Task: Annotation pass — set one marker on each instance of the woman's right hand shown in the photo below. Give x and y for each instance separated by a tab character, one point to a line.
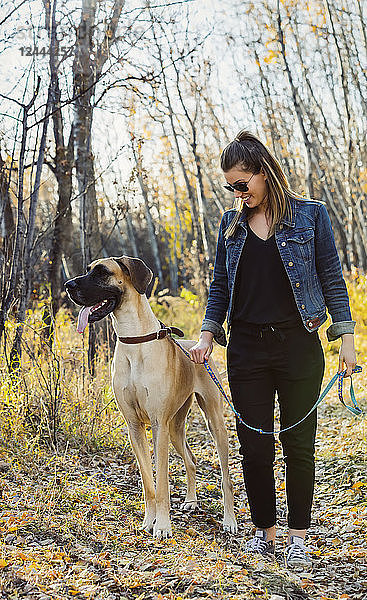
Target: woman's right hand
203	348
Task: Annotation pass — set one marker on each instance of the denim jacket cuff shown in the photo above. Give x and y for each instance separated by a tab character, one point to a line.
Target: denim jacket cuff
337	329
214	327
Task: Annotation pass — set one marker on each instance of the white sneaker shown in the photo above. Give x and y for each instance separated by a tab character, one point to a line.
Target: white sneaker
259	545
296	553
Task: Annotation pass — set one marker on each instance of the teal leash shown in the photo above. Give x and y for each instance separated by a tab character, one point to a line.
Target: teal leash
356	410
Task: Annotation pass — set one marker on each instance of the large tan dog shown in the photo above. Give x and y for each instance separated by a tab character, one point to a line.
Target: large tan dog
154	383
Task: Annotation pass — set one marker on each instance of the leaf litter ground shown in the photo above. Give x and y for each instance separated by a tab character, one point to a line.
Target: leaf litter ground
70	523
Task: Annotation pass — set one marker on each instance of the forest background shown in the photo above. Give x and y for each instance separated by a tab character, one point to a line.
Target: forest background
113	115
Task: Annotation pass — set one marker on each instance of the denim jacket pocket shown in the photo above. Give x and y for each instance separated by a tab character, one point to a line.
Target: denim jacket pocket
302	243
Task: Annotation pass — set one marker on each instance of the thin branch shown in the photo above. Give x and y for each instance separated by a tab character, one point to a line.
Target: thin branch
12	12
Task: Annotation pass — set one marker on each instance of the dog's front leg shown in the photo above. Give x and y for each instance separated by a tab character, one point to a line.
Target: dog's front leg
162	526
141	450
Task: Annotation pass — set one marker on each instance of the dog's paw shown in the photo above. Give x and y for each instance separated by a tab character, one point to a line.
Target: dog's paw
162	532
230	524
148	524
148	527
189	505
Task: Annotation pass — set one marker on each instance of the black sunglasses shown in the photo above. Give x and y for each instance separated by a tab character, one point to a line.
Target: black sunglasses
240	186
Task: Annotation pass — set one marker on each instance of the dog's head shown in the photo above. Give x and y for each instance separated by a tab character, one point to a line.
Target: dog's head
102	289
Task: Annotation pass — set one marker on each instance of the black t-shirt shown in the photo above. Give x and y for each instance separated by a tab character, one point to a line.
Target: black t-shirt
263	293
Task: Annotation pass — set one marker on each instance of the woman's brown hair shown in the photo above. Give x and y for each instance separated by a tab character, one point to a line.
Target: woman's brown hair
248	153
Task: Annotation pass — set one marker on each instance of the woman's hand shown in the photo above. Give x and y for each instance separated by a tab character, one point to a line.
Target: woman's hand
347	354
203	348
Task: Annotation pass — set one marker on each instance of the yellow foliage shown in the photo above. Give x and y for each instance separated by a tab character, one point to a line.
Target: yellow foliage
271	57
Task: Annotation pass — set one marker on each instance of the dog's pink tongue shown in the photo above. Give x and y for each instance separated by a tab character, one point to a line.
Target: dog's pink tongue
83	318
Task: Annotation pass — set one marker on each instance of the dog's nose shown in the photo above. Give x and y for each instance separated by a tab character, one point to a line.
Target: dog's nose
69	285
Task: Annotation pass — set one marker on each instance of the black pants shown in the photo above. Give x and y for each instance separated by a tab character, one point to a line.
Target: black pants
260	361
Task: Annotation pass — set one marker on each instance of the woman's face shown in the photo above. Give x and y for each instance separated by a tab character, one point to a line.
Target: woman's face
256	197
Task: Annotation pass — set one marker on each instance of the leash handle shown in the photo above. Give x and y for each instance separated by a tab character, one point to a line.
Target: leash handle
356	410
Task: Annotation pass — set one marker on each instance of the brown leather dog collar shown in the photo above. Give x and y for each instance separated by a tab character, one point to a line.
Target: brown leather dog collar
156	335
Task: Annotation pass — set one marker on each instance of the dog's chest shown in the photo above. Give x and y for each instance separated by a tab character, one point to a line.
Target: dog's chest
137	381
138	371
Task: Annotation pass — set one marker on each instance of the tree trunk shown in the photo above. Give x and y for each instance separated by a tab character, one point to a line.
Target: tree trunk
63	164
297	107
86	73
84	81
148	216
177	225
7	221
131	234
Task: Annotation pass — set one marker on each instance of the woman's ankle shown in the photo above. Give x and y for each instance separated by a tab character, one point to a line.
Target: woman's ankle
270	533
298	532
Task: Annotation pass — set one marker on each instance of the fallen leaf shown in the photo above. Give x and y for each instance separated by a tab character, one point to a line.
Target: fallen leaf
358	485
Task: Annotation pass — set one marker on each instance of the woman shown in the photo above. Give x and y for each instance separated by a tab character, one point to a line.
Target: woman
276	270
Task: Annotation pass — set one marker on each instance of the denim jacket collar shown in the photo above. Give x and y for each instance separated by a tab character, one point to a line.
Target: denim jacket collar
293	205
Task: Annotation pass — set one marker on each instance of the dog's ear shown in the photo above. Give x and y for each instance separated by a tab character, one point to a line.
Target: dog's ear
139	273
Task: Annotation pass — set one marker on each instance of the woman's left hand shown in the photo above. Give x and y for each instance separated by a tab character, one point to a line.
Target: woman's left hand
347	354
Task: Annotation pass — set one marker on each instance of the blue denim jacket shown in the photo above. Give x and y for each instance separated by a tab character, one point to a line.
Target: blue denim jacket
307	248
